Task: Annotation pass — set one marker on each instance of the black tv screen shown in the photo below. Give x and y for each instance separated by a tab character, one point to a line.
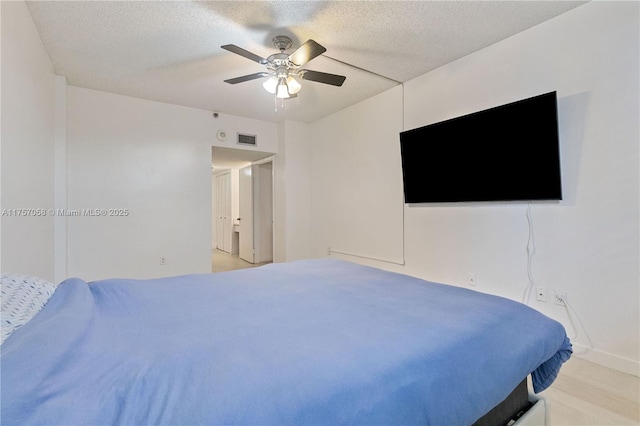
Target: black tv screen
506	153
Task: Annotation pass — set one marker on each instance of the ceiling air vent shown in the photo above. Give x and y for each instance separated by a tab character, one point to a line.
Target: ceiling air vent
246	139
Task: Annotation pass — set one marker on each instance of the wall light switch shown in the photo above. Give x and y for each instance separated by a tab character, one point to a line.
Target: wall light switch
541	294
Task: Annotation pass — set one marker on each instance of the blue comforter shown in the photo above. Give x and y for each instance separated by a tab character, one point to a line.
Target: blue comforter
320	342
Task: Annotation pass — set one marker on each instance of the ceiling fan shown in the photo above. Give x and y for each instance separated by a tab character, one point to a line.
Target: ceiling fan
283	68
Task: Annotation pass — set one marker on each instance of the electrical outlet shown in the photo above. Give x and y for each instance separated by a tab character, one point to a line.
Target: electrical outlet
471	279
561	297
541	294
163	260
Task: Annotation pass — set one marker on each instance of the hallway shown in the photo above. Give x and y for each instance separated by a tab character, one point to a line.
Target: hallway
222	261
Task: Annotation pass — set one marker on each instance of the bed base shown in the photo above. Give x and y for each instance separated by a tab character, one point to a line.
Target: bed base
537	415
518	409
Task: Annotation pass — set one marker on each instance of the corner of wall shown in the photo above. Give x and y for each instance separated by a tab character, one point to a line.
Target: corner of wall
60	178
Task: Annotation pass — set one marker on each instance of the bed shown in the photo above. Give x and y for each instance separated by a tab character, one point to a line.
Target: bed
310	342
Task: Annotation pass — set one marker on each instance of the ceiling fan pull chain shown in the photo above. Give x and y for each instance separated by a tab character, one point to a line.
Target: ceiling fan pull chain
275	103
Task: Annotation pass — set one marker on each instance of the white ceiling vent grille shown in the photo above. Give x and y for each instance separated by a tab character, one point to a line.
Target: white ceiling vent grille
246	139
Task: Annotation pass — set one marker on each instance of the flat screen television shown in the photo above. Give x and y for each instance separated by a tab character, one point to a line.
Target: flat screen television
506	153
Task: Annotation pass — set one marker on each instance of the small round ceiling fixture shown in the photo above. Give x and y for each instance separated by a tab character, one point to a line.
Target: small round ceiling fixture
222	135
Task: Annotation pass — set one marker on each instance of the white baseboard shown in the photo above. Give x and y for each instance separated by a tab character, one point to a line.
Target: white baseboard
606	359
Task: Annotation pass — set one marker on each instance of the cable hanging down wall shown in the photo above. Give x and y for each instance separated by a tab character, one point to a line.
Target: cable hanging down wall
531	251
526	295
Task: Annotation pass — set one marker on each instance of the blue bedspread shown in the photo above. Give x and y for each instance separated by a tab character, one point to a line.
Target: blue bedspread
321	342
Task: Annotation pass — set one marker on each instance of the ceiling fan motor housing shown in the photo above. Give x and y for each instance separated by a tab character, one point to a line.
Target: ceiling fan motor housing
282	42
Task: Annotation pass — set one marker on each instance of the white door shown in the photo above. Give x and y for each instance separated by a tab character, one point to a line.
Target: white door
245	189
223	212
263	211
219	213
228	220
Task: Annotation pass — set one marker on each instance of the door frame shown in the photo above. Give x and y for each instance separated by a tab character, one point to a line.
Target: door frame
246	213
266	160
270	158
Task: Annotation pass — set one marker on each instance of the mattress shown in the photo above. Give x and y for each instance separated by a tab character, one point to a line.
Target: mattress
308	342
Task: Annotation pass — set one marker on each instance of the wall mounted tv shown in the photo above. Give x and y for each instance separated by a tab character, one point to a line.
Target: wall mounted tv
506	153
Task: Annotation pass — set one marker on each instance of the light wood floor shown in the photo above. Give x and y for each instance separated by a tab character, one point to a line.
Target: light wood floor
222	261
588	394
584	394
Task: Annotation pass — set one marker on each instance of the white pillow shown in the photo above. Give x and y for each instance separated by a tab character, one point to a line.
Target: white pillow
22	297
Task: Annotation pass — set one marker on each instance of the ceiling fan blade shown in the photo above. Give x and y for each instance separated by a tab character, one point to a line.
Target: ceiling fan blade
247	78
306	52
323	77
242	52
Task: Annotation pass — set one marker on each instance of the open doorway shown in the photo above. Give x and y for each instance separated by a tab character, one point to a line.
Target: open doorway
242	195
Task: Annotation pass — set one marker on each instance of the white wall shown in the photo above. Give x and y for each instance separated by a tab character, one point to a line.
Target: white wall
292	196
154	160
586	244
27	150
357	199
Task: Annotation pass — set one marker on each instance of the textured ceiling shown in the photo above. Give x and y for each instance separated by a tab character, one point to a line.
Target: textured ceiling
169	51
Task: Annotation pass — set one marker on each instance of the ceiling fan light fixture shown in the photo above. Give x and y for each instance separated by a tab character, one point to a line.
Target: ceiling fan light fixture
282	87
282	90
293	85
271	84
